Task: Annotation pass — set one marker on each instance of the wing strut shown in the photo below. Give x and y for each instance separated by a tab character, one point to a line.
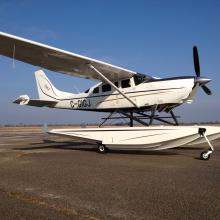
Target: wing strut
113	85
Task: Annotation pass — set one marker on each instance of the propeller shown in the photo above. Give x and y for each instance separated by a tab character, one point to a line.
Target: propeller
202	81
196	61
206	90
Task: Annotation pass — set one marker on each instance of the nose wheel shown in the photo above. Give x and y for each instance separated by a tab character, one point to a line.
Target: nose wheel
205	155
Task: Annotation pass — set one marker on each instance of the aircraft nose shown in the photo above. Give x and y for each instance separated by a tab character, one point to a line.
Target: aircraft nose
202	80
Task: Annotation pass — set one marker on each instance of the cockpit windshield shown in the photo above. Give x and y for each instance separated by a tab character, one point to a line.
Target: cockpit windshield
140	78
148	78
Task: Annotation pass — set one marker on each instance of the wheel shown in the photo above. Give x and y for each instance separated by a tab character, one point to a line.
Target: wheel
102	149
204	155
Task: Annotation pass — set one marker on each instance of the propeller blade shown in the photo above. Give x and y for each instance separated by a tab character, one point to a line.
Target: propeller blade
206	90
196	61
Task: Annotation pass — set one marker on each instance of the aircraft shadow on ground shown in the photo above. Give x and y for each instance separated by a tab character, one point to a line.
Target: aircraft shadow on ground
84	146
65	145
143	152
198	158
190	148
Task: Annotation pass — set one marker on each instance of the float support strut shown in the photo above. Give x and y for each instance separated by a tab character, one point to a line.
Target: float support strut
131	120
174	117
110	115
154	108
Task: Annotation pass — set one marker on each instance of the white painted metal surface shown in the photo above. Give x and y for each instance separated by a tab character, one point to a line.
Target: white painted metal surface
149	138
143	95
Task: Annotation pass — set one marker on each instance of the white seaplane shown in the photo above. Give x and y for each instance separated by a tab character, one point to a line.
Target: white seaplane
133	95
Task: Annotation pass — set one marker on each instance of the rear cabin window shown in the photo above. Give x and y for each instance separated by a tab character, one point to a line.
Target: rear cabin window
116	84
96	90
125	83
106	88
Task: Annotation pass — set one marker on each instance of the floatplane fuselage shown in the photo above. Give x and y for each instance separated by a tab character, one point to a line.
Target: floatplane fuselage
144	92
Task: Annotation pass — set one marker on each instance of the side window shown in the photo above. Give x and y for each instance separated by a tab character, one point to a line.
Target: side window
96	90
106	88
116	84
125	83
86	91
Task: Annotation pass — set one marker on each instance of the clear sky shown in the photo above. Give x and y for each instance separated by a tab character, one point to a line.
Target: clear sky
152	37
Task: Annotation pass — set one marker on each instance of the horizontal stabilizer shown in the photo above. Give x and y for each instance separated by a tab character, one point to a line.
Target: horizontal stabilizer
25	100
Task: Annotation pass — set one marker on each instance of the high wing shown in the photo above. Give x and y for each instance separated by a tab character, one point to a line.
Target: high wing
58	60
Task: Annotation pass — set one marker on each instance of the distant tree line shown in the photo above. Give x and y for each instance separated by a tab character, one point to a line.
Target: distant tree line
96	124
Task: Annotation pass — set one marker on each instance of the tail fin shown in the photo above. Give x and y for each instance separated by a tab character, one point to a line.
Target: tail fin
46	90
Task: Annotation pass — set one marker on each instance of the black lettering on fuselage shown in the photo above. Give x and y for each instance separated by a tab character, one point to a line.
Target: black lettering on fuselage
72	104
80	103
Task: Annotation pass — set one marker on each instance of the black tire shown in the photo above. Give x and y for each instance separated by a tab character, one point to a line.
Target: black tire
204	155
102	149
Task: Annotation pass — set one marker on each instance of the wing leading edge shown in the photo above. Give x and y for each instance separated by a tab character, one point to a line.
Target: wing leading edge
58	60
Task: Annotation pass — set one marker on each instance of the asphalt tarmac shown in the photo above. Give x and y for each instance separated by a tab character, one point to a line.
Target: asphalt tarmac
49	177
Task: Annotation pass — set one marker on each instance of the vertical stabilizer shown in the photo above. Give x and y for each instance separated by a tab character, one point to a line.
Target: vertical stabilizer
46	90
